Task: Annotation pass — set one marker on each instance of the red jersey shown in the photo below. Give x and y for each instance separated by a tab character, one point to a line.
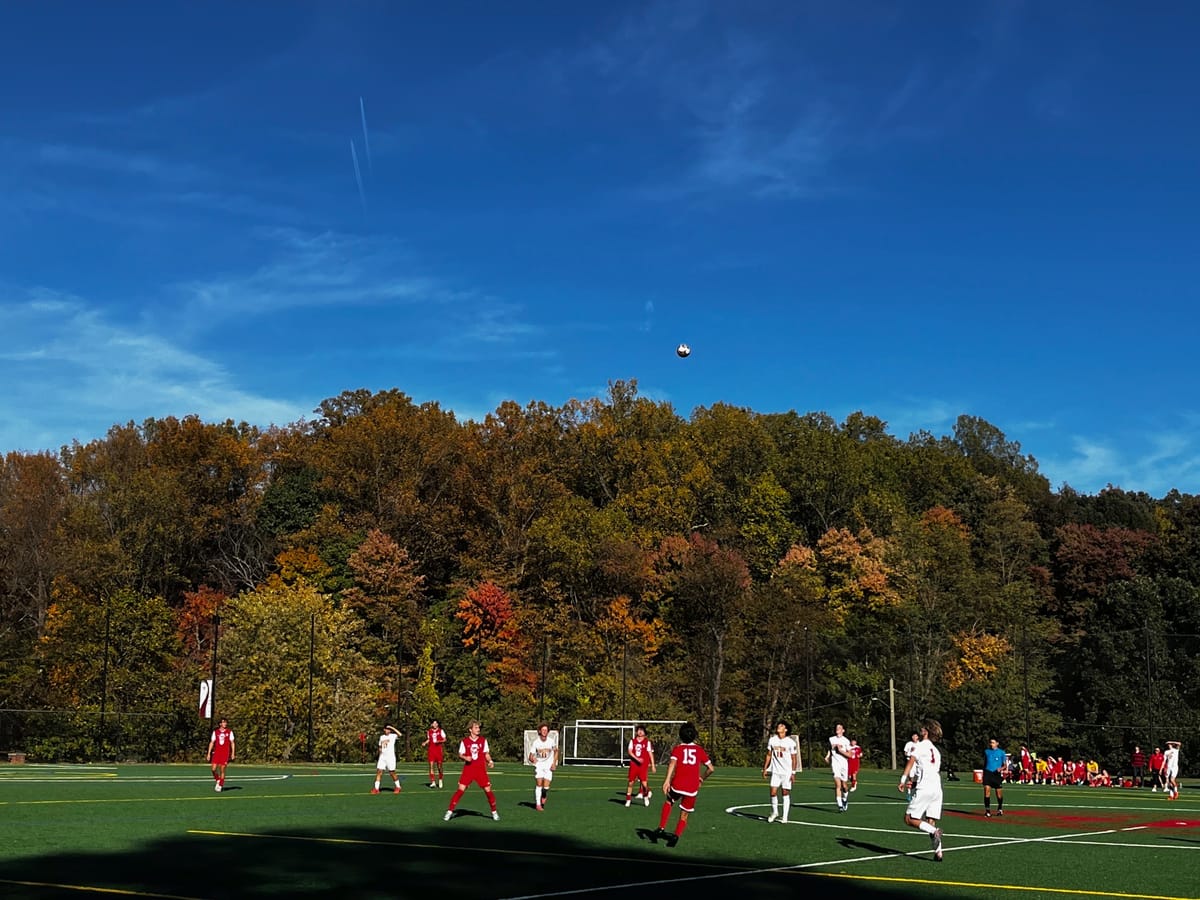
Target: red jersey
436	736
222	743
689	760
855	759
1156	761
474	748
640	751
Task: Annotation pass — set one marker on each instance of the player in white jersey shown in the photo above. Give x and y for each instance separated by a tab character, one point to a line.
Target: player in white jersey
782	764
838	758
925	804
387	759
543	753
1170	769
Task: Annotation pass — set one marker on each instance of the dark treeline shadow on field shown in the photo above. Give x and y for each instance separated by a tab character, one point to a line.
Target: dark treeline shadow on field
446	863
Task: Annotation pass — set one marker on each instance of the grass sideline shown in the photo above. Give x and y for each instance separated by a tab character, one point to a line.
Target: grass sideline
316	831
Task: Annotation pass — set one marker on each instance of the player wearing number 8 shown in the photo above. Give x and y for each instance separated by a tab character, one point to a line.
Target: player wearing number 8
688	769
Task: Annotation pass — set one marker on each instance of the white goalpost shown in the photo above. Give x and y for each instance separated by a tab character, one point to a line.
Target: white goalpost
603	742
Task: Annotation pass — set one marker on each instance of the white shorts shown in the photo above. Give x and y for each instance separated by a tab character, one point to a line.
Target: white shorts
1172	772
387	763
926	802
781	781
841	768
543	772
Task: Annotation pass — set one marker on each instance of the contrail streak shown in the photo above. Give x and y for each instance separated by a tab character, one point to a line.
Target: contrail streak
366	137
358	176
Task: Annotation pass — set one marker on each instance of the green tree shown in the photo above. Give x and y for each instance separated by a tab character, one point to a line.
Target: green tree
281	638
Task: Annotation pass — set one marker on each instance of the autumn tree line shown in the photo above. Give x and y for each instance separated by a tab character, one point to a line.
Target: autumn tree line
606	559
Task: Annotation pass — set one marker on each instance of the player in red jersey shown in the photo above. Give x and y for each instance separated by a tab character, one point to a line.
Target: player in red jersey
220	752
640	753
435	744
853	764
473	750
688	769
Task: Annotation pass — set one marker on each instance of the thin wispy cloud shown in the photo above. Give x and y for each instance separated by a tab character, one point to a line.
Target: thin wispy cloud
752	126
366	137
84	372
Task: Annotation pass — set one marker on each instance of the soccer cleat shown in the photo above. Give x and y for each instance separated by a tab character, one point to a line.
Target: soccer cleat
627	804
495	816
999	812
396	789
540	808
649	794
853	788
647	799
217	787
783	821
448	816
1154	790
937	844
772	817
672	840
431	785
987	813
439	782
373	790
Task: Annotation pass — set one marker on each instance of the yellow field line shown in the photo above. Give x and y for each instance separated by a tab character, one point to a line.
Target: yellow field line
997	887
93	889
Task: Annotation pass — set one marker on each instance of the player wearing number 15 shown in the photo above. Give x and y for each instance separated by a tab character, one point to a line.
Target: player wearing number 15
688	769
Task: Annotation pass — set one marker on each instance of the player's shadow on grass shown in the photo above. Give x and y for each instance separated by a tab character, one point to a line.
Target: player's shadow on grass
461	813
852	844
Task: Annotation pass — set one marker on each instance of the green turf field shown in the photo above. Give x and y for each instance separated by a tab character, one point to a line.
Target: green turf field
161	831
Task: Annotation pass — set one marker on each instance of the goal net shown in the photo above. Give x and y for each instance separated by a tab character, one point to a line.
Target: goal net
603	742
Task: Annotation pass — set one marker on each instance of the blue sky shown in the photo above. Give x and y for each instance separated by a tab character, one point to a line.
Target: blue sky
917	210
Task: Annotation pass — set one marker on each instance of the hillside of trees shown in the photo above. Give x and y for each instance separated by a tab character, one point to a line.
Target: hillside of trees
607	559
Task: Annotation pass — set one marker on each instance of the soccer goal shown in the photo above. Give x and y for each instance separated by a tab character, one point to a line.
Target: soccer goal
603	742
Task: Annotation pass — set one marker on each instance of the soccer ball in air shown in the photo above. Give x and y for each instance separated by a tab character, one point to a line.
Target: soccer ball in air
683	351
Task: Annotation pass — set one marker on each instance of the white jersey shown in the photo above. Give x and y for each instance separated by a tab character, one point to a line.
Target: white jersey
840	764
783	752
545	753
387	751
928	763
1171	761
926	801
909	748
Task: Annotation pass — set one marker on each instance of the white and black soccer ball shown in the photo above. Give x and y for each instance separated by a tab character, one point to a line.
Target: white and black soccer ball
683	351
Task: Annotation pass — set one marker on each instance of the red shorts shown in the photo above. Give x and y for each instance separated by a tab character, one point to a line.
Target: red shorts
220	757
437	753
475	775
639	772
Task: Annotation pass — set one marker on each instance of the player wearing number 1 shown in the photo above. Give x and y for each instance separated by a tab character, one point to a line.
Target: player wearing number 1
925	806
782	764
688	769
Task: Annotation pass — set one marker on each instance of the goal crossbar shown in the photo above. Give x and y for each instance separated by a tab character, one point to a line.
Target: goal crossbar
603	742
